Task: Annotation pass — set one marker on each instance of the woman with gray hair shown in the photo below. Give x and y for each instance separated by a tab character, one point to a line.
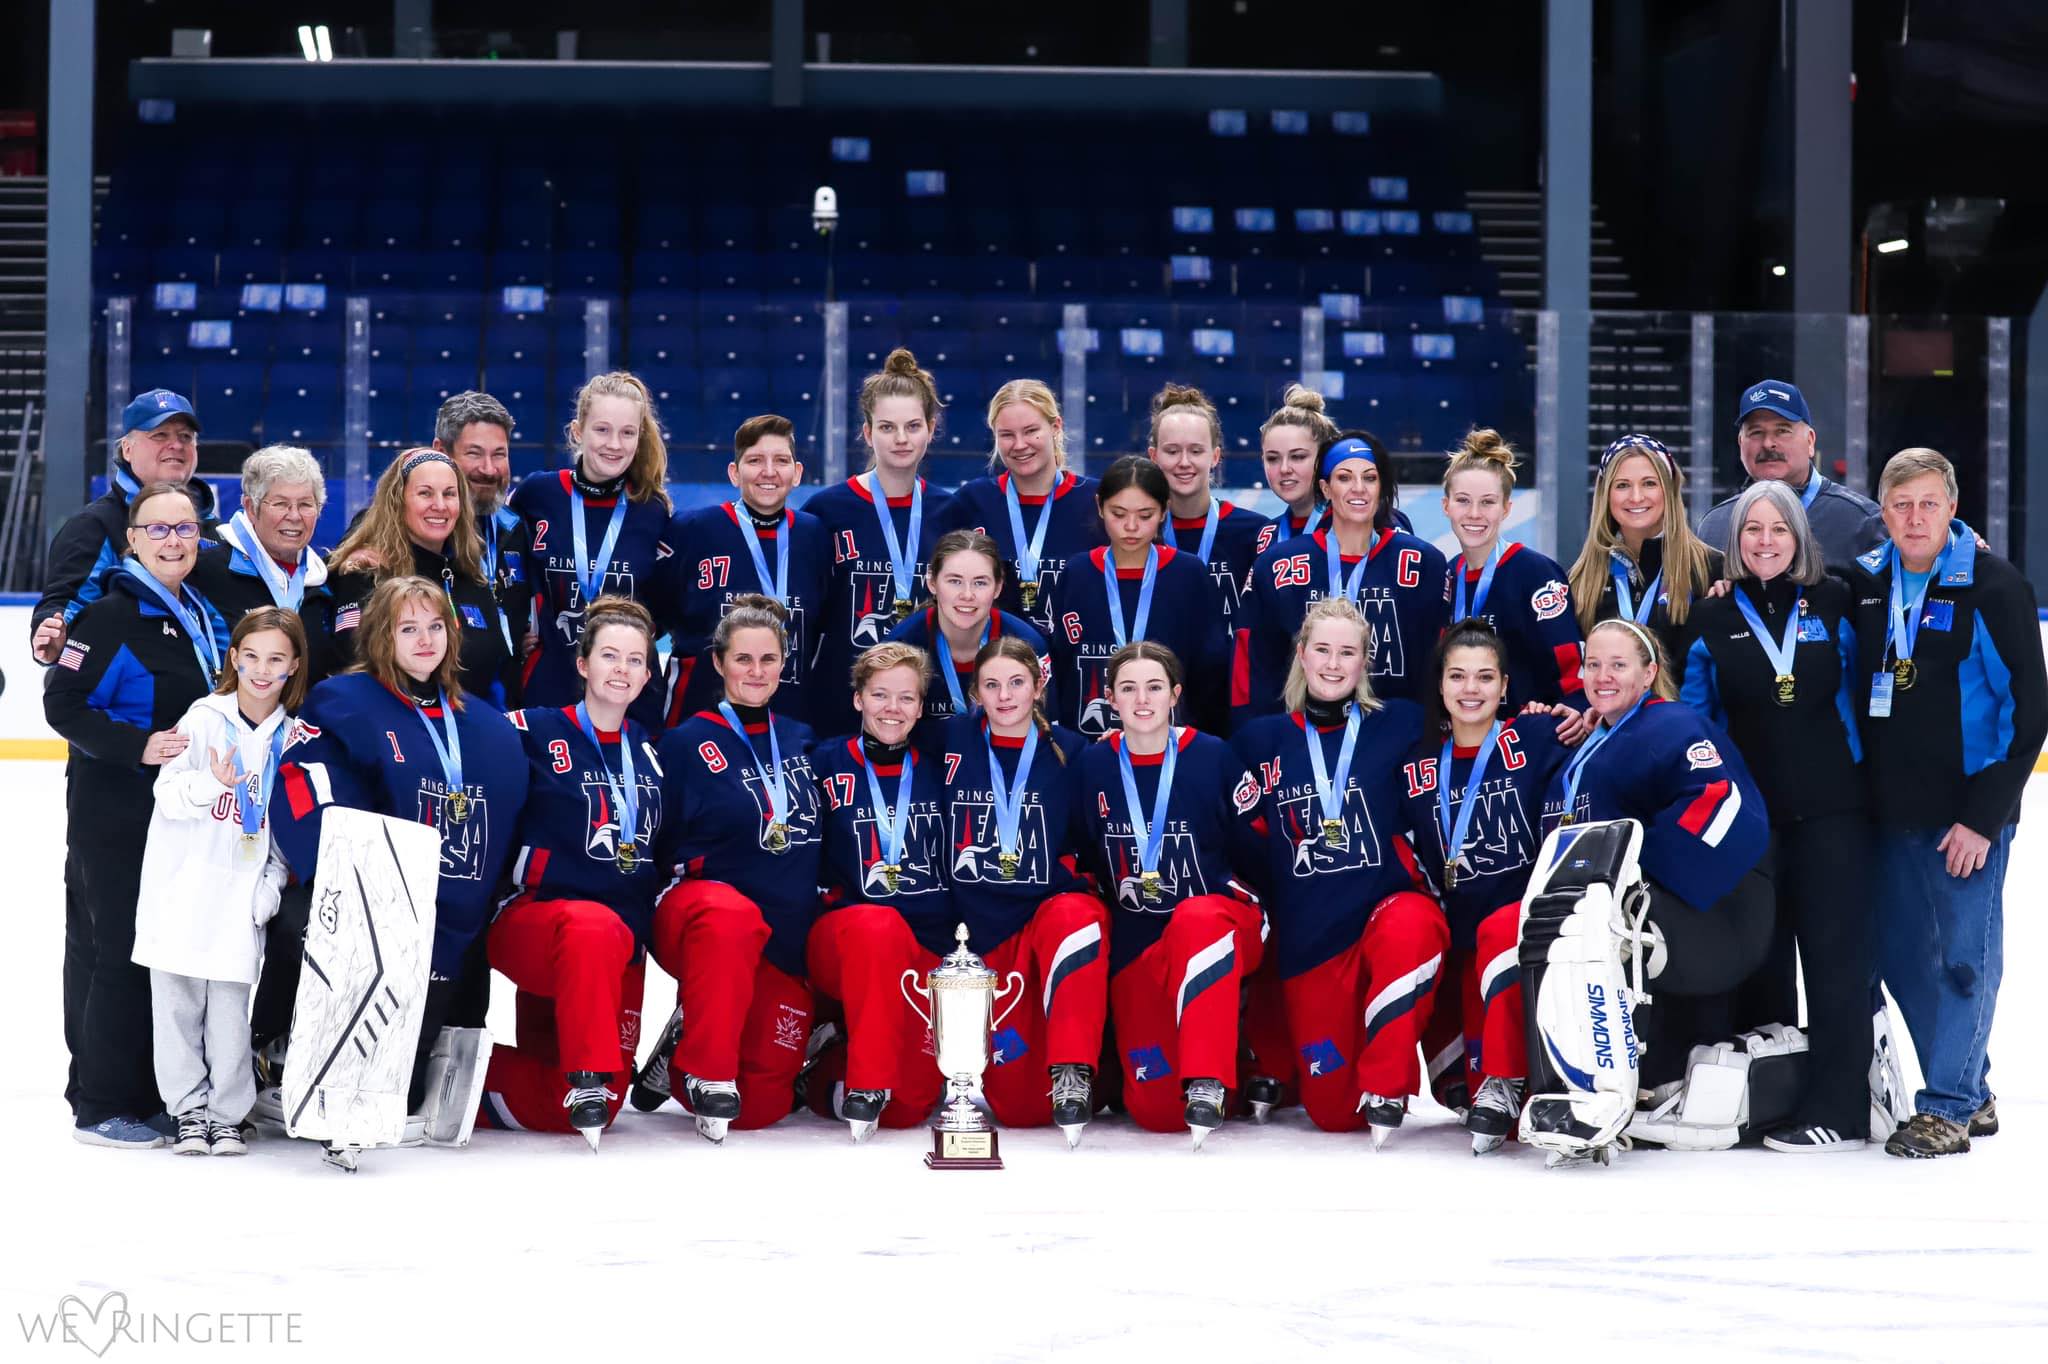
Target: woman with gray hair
265	556
1773	662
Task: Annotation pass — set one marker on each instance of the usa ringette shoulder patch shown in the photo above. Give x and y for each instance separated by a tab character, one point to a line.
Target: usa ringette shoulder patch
1703	754
1247	793
1551	600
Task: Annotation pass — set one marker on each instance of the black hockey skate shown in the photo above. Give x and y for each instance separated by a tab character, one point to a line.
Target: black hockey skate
1493	1115
651	1086
862	1109
1073	1099
587	1102
1262	1092
1205	1109
714	1103
1382	1116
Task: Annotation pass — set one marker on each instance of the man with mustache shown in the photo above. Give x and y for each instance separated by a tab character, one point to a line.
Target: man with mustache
1775	433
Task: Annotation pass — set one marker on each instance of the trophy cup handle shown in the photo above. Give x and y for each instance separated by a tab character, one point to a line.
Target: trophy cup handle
1014	988
909	985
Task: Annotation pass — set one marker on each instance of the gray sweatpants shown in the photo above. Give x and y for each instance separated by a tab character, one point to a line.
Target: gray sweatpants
202	1046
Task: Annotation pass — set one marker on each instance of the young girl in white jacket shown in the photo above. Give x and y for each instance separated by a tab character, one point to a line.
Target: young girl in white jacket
210	881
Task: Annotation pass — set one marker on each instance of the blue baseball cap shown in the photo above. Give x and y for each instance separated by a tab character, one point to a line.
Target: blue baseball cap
1773	395
148	411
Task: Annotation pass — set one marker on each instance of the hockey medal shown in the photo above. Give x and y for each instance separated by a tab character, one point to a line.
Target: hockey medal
1027	590
458	806
1905	670
1333	833
1451	875
1006	865
250	847
900	610
1149	886
892	877
629	856
1786	688
778	837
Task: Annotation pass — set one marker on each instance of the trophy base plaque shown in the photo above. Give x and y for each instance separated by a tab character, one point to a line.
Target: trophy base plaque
962	1151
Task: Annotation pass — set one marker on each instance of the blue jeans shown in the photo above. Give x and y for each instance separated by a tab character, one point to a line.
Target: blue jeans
1941	950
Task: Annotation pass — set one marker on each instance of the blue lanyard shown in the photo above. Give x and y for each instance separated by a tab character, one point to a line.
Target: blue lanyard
1149	837
902	566
751	537
1339	585
1902	627
450	754
1208	531
772	779
286	590
1455	833
1814	484
1779	651
897	831
1485	585
1143	615
590	572
490	547
192	620
625	786
1330	794
1576	767
1008	799
248	803
1623	573
951	675
1028	554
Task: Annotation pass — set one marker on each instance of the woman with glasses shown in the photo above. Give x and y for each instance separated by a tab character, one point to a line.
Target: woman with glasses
132	664
1641	561
265	556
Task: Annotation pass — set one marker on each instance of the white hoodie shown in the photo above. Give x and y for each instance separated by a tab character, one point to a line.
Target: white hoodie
203	903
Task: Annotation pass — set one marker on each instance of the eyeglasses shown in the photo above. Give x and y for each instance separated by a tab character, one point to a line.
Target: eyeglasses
163	530
277	506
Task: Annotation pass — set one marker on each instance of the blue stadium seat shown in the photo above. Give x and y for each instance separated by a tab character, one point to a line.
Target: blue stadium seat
664	269
524	391
332	223
303	403
516	339
257	222
445	343
387	403
228	394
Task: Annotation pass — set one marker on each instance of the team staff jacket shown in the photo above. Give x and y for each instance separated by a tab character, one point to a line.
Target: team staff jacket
1182	617
490	673
95	538
710	567
1075	528
127	670
1238	532
860	594
856	838
1804	755
1499	852
569	833
1529	605
1704	825
995	909
508	558
1961	741
922	629
1209	844
544	507
361	745
718	820
1675	639
1845	523
227	576
1401	597
1320	896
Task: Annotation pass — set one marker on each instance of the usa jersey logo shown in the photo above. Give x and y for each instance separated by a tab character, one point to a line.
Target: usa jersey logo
915	874
601	815
1097	716
463	842
1180	871
802	788
1359	846
871	607
976	844
563	587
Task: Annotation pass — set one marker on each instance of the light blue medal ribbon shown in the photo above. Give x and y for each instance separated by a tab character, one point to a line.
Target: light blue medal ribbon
625	788
450	754
897	831
1339	584
961	705
287	590
1902	628
1008	799
750	536
1623	573
252	789
1813	486
1149	837
1329	793
902	567
1455	832
772	778
1576	767
1479	593
1779	651
1208	531
590	572
1143	616
191	619
1028	552
489	536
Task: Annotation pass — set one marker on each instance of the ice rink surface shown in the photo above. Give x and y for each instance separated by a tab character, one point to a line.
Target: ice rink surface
1275	1243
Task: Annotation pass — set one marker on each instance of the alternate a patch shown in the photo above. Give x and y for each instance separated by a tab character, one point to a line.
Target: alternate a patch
1703	754
1812	630
1939	615
1246	794
473	617
1551	600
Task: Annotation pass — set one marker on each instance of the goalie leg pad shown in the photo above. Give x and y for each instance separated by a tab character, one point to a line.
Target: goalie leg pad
1732	1090
456	1068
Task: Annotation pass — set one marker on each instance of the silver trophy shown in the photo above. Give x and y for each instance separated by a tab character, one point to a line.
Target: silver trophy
962	994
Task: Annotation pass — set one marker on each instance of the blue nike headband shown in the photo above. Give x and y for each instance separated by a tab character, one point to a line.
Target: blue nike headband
1351	447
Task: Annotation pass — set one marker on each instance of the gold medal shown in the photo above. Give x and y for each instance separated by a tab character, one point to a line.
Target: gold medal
1786	688
900	610
1028	592
1006	863
1451	875
892	877
458	806
629	857
1904	672
778	837
1149	885
250	847
1564	821
1333	833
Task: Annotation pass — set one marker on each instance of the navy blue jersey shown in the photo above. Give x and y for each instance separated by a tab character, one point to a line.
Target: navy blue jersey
570	832
1500	847
855	839
360	745
1401	598
1318	896
1183	618
542	502
1209	839
993	908
1075	528
1704	825
1238	531
710	567
1529	606
718	822
922	629
860	596
1284	526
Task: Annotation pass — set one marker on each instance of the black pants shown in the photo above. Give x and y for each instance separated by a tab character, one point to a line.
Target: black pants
114	1054
1708	954
78	959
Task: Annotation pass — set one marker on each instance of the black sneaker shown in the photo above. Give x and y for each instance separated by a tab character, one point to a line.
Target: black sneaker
225	1139
1925	1136
651	1086
588	1103
1984	1122
1204	1112
1806	1141
191	1134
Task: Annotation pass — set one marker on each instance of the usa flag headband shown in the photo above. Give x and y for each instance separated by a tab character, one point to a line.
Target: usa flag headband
1649	445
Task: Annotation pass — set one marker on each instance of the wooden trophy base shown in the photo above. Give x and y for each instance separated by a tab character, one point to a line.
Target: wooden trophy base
954	1150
